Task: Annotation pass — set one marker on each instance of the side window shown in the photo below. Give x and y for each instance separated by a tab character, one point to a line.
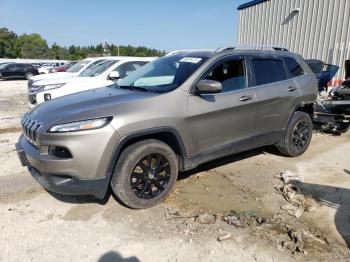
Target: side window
230	74
93	64
268	71
127	68
17	66
293	67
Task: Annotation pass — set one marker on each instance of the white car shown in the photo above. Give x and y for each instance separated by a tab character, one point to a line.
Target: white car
105	73
71	72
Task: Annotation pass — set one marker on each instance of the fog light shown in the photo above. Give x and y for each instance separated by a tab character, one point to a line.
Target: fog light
59	151
47	97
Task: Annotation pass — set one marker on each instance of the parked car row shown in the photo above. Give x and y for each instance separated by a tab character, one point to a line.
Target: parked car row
17	70
99	72
62	68
46	67
14	70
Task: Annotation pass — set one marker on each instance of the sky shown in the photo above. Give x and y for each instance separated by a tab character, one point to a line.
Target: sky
161	24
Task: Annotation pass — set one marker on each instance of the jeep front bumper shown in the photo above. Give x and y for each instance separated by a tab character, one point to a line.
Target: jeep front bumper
84	173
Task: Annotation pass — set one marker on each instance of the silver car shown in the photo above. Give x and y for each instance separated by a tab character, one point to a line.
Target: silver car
171	115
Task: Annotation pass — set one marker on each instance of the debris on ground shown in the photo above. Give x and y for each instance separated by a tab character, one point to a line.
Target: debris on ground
287	176
233	219
224	236
206	218
298	241
244	219
292	193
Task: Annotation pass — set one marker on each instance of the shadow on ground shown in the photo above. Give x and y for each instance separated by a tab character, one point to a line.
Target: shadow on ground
228	160
113	256
334	197
77	199
73	199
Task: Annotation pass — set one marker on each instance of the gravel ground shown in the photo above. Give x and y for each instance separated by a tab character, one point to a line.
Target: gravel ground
242	189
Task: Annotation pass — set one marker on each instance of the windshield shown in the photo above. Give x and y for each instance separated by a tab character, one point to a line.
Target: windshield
98	68
315	66
164	74
78	66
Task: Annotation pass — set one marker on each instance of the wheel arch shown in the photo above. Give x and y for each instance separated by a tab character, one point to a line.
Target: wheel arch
307	107
168	135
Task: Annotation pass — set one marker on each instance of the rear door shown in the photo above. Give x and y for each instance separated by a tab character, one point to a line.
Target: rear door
222	123
276	93
10	71
20	70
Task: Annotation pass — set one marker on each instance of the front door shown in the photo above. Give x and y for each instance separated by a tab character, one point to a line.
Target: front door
222	123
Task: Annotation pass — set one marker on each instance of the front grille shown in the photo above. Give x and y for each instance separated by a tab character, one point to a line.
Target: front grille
30	129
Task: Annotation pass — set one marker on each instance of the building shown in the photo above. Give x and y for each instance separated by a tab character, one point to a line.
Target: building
316	29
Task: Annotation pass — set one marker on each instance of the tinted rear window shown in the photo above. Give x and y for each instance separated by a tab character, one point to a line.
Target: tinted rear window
268	71
293	67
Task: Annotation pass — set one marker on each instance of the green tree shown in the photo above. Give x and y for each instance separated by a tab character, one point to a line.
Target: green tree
7	43
34	46
55	51
31	46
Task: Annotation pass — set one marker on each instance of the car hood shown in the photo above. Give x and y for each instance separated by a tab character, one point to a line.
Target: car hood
52	76
63	80
94	103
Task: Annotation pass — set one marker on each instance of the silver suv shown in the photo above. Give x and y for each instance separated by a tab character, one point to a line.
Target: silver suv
171	115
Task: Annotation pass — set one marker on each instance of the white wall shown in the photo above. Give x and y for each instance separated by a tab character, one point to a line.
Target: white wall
319	30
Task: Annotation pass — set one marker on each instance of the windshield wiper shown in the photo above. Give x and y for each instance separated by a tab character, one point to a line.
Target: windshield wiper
134	88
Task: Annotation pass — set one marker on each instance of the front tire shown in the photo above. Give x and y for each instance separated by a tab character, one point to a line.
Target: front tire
297	136
145	174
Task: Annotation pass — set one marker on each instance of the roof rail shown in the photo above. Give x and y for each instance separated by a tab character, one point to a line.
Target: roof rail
270	47
276	48
224	48
187	50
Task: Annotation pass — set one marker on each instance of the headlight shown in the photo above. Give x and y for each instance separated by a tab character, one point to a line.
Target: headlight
49	87
81	125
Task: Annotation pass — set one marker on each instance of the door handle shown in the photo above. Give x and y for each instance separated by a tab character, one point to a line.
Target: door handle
245	98
292	88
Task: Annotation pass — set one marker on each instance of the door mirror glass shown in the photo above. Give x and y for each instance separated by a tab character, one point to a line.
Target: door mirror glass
208	87
114	75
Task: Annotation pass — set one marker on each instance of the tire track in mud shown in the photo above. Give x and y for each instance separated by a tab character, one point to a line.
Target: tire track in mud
10	130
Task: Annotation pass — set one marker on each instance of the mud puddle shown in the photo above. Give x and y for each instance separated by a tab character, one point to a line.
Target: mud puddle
10	130
214	193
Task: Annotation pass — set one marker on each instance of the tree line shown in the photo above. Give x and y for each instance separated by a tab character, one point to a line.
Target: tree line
35	47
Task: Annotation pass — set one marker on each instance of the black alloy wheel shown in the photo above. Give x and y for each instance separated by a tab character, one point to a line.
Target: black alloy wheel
301	134
150	176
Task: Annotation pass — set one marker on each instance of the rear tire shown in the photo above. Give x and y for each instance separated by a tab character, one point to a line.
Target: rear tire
145	174
297	136
28	75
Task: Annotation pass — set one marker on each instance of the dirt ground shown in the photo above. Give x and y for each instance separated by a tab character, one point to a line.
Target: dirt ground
243	200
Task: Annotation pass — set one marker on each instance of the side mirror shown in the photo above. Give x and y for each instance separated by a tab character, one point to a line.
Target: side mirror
208	87
114	75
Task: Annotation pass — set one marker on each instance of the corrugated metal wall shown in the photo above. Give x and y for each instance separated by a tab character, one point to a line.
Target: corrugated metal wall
320	29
